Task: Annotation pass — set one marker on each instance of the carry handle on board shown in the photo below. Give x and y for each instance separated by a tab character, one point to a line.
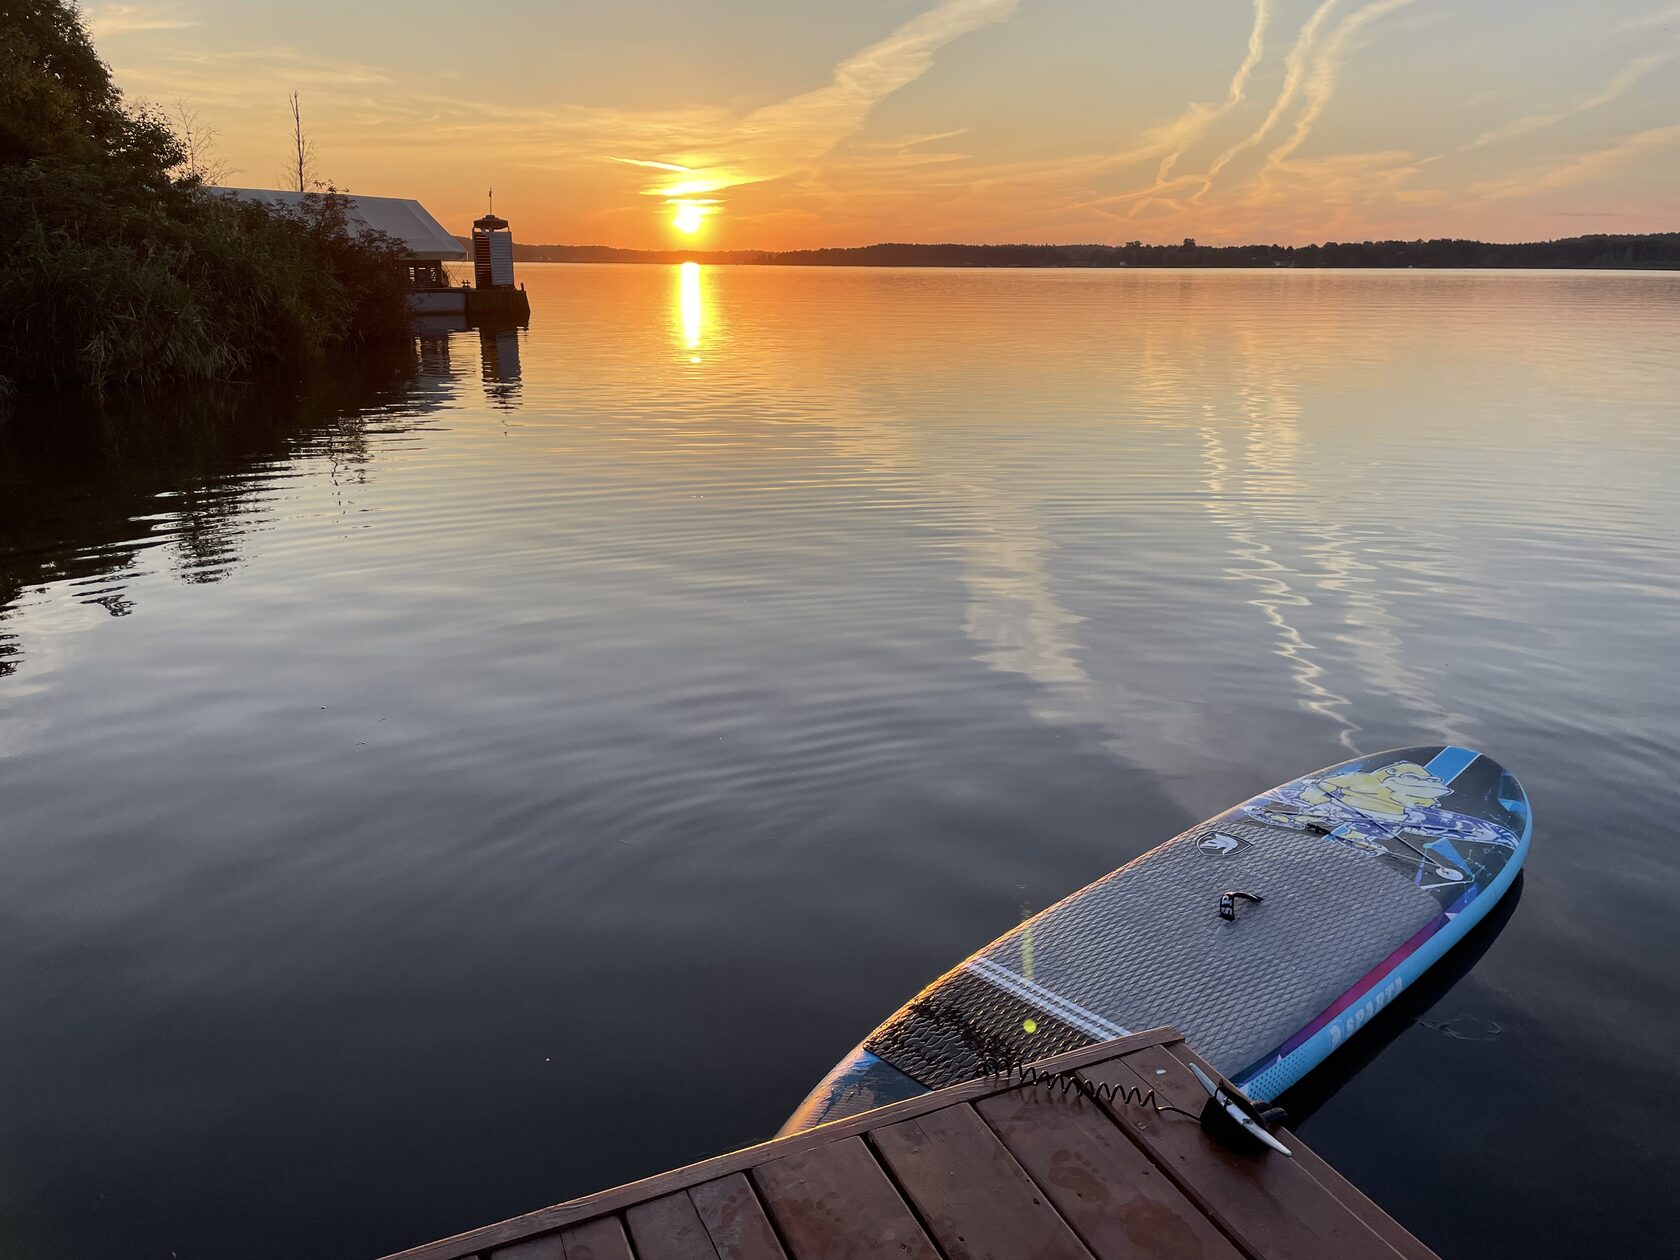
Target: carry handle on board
1228	903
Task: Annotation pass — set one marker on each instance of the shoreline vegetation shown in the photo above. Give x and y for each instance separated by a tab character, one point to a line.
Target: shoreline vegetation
1657	251
119	267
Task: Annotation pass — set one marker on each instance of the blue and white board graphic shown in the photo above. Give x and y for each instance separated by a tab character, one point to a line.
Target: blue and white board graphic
1358	878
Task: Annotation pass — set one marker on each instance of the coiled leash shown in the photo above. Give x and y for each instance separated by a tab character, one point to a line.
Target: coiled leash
1229	1115
1072	1083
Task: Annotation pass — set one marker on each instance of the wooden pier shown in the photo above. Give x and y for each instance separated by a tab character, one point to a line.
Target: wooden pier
989	1170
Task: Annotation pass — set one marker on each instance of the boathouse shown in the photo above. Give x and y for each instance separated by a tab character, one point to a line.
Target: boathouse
426	244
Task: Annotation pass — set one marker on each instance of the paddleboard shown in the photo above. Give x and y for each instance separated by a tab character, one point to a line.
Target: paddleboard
1268	935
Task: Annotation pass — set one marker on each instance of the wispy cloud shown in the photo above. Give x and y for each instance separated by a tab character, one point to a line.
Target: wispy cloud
1177	136
106	20
1339	184
1662	17
1200	118
1311	69
1171	140
1320	83
1623	79
1294	71
777	139
1589	166
657	166
239	79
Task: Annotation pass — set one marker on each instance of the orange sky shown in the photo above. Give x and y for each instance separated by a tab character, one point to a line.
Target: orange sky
788	125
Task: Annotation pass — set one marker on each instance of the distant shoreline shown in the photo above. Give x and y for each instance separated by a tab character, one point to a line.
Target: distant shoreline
1647	252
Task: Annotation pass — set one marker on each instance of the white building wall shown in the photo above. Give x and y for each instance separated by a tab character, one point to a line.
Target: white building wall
501	258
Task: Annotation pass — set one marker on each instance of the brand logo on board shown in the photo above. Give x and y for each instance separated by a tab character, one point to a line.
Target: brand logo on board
1345	1026
1221	844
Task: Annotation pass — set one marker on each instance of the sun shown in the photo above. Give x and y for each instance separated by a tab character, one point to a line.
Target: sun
689	218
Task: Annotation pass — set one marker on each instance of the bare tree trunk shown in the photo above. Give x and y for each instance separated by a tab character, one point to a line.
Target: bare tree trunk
302	148
198	140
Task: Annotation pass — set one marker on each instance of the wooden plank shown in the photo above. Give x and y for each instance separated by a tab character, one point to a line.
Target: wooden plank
601	1239
544	1220
543	1247
1377	1220
836	1203
668	1228
1117	1201
735	1219
1267	1204
973	1196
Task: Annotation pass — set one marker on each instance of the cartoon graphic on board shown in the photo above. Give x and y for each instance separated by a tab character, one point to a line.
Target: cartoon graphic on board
1379	811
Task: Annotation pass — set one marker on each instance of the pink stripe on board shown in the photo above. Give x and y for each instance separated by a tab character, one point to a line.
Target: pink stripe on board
1361	987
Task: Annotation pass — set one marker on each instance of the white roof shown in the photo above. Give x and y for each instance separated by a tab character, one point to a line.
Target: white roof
401	217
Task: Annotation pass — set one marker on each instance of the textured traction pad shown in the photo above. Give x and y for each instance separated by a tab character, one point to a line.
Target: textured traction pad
1145	946
950	1033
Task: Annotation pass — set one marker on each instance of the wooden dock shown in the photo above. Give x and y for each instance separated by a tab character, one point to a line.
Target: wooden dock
988	1169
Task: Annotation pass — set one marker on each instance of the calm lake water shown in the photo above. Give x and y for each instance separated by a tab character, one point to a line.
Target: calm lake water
426	798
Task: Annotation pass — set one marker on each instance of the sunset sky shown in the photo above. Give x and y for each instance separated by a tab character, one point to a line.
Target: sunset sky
786	124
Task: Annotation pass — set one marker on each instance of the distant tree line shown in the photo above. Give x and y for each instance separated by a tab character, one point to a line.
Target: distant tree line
1655	250
119	268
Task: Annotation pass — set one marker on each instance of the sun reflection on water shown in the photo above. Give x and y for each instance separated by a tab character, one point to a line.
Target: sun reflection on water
691	306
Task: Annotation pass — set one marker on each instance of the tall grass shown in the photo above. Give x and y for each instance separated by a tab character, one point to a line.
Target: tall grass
103	296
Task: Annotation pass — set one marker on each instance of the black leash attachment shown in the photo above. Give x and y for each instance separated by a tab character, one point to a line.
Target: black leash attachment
1237	1121
1228	903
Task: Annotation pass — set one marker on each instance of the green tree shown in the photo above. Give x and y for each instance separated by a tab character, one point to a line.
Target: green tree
118	268
59	100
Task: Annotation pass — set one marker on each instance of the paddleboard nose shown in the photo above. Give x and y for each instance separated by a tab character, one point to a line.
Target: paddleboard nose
861	1082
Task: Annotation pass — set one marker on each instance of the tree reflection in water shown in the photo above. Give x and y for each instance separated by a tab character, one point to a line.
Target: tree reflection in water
94	499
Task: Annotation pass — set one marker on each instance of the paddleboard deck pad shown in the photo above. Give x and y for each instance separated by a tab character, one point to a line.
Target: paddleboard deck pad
1349	884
